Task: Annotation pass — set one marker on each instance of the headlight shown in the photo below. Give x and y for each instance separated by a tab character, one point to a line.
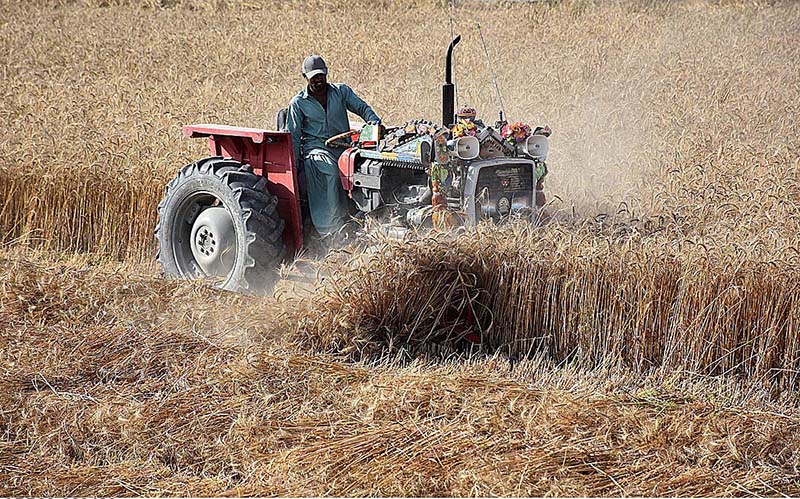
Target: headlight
464	147
535	146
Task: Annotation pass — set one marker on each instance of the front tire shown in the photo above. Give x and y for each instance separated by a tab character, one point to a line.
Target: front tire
217	220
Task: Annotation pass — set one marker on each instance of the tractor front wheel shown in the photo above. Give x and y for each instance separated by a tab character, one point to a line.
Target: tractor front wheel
217	220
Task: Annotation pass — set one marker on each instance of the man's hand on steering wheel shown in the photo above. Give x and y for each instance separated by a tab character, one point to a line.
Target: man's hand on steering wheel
381	128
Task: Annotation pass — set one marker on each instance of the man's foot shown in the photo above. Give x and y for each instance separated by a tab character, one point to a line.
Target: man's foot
346	236
313	244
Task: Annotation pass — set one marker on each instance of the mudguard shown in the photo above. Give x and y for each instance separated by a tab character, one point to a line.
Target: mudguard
347	166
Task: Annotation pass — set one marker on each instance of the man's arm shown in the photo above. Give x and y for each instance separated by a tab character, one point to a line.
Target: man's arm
294	124
356	105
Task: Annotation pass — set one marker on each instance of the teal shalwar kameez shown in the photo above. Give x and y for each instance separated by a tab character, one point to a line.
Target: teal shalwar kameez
310	125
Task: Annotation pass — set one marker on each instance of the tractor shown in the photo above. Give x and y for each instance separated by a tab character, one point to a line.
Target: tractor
236	215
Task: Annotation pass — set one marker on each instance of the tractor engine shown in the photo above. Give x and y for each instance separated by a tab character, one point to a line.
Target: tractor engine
381	184
470	171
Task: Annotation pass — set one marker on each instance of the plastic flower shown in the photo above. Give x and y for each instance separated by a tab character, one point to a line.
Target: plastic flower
516	132
464	128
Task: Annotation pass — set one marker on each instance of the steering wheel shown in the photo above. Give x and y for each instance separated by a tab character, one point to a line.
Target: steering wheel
335	140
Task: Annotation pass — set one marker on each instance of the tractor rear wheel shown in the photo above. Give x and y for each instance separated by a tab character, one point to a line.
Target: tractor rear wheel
217	220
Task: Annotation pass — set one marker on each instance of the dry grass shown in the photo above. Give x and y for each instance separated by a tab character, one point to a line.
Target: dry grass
671	259
134	390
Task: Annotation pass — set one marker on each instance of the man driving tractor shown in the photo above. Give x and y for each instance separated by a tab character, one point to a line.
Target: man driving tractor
236	214
317	113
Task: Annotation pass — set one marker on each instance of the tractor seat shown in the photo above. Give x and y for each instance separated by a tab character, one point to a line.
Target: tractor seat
283	116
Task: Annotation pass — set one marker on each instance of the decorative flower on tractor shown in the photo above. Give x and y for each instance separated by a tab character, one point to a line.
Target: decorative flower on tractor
464	128
516	132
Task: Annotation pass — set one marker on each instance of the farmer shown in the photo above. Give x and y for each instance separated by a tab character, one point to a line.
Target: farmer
317	113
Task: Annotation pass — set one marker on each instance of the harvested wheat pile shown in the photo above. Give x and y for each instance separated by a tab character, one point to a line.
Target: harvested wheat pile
135	391
566	294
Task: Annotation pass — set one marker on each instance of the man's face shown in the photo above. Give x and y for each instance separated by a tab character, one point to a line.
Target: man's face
317	83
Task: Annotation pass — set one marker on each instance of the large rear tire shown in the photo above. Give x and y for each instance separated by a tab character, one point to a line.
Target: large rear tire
217	220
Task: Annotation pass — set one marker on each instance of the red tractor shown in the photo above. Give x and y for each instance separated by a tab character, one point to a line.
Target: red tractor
236	215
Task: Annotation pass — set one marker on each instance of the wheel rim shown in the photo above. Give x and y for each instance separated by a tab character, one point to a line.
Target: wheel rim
190	217
213	241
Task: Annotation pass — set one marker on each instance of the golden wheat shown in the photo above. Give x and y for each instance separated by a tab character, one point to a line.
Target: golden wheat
683	111
143	386
649	331
543	292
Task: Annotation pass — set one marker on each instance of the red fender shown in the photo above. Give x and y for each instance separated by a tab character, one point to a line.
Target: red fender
347	165
271	155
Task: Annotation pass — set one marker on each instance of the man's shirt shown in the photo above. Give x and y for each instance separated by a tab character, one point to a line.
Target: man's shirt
310	125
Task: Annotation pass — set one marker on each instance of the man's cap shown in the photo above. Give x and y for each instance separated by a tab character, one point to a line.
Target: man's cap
313	66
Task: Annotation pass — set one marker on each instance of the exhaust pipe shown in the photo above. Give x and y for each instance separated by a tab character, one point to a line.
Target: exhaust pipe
448	89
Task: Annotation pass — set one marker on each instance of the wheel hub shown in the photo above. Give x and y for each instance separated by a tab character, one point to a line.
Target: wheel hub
213	241
205	240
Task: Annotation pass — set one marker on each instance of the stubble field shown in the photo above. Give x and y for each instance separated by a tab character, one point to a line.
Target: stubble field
644	342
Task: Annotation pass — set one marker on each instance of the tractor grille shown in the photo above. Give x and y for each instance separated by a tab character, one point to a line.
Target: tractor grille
409	165
504	190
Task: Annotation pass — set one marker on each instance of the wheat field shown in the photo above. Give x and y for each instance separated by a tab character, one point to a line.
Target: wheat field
645	341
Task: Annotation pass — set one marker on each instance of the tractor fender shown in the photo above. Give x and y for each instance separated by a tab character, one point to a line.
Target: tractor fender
347	166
